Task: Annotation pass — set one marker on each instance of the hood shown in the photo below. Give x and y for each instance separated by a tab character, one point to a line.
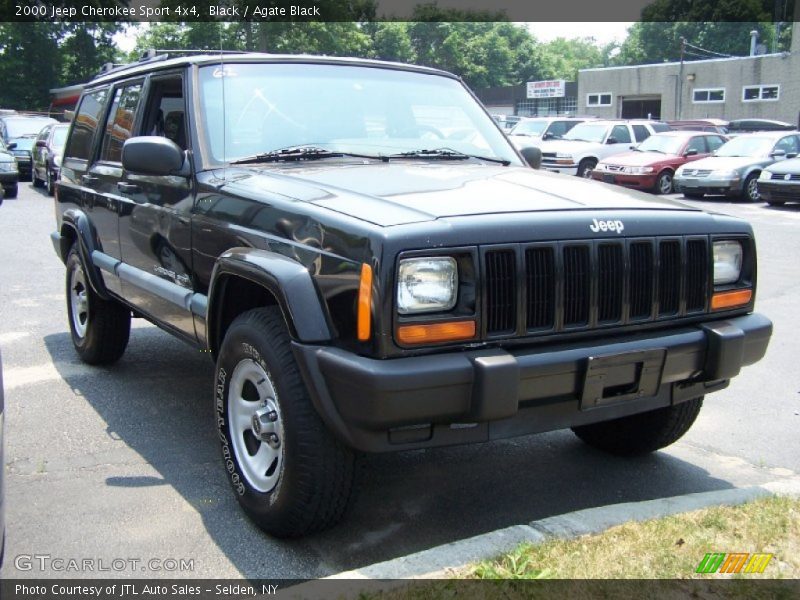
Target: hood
568	146
715	163
638	159
791	165
402	192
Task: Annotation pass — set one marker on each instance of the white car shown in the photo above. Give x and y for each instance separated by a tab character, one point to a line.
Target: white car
533	131
583	146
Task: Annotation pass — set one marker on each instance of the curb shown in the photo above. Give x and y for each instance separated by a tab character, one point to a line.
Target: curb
439	562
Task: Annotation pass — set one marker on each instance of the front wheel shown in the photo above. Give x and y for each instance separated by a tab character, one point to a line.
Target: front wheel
100	328
641	433
49	183
11	192
289	473
750	188
37	183
585	168
664	183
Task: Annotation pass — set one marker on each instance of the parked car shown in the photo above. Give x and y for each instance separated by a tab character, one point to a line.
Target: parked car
533	131
709	125
583	146
750	125
383	293
780	182
19	132
735	167
9	172
652	164
48	150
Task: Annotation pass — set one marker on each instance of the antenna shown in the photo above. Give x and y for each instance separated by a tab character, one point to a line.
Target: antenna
222	81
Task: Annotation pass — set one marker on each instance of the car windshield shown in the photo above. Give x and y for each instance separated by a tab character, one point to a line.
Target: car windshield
587	132
532	127
21	126
25	143
60	136
353	109
665	144
746	146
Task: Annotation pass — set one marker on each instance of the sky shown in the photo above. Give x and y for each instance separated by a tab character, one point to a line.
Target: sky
603	33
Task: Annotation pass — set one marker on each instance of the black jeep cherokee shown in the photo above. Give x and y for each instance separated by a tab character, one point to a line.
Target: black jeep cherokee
373	267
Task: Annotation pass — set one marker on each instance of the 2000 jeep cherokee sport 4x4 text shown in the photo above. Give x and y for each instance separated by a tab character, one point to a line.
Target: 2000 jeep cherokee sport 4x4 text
381	271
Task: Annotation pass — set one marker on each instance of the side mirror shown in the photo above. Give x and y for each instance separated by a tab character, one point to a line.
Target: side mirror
611	140
533	156
778	153
692	152
152	155
11	146
791	155
547	135
41	143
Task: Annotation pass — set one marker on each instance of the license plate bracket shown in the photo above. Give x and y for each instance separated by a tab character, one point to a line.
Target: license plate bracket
621	377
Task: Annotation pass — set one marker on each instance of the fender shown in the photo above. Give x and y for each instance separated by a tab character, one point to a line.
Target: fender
79	223
287	280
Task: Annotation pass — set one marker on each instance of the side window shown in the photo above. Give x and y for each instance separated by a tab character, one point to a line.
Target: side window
165	115
86	119
621	134
714	142
698	144
120	122
787	144
559	128
42	137
641	132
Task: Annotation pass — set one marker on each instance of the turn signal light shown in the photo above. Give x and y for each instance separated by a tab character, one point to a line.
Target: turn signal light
364	321
731	299
436	332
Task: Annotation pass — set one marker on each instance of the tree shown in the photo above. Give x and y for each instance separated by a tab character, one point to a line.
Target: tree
30	64
85	48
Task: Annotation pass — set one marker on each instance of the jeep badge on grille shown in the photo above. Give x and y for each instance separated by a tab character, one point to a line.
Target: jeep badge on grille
596	226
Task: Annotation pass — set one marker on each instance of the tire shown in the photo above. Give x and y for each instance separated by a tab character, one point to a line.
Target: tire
49	183
37	183
303	480
776	202
641	433
693	195
750	188
664	183
11	192
100	328
585	168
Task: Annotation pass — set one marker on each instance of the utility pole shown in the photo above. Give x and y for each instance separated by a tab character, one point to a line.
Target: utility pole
680	80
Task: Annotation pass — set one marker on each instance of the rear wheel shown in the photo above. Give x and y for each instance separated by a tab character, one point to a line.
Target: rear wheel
289	473
100	328
642	433
585	168
664	183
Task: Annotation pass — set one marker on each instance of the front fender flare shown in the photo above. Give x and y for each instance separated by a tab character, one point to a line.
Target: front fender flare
81	227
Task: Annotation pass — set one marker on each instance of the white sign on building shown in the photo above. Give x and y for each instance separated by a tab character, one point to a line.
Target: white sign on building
546	89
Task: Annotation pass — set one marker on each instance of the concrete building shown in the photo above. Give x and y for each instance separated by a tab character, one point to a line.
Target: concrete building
766	86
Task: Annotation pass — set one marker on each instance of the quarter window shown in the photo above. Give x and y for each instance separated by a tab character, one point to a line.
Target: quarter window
599	99
759	93
708	96
120	122
89	114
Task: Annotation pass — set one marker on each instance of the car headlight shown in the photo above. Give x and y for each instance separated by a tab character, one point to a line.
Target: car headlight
724	174
8	167
427	285
727	262
764	175
57	160
638	170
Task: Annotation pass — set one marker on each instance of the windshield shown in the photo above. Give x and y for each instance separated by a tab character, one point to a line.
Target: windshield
353	109
587	132
535	128
60	136
664	144
746	146
24	143
21	126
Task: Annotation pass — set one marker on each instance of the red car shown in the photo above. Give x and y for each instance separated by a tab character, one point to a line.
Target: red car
652	163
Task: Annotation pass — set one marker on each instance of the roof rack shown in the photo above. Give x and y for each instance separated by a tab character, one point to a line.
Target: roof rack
157	55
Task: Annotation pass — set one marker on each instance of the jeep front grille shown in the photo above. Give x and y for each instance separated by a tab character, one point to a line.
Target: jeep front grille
566	286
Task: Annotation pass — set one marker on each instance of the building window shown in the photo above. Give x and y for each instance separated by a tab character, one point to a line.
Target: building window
709	96
600	99
758	93
547	107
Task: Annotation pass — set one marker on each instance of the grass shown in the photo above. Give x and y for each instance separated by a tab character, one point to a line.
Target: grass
667	549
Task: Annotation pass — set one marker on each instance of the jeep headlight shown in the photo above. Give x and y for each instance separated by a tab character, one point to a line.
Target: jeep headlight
427	285
727	262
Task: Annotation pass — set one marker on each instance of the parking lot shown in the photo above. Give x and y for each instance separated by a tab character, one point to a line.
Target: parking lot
123	462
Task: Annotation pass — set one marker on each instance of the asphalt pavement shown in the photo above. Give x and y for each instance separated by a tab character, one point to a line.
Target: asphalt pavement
122	462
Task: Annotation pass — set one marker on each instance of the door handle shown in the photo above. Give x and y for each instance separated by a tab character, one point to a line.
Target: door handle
89	179
128	188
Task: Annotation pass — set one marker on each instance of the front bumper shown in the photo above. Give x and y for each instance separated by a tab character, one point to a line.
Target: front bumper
9	178
479	395
639	182
556	168
707	185
780	192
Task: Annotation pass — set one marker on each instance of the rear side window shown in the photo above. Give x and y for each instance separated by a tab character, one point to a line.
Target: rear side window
120	122
89	114
641	132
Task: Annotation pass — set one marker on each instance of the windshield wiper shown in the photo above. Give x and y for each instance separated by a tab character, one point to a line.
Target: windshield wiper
447	154
300	153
